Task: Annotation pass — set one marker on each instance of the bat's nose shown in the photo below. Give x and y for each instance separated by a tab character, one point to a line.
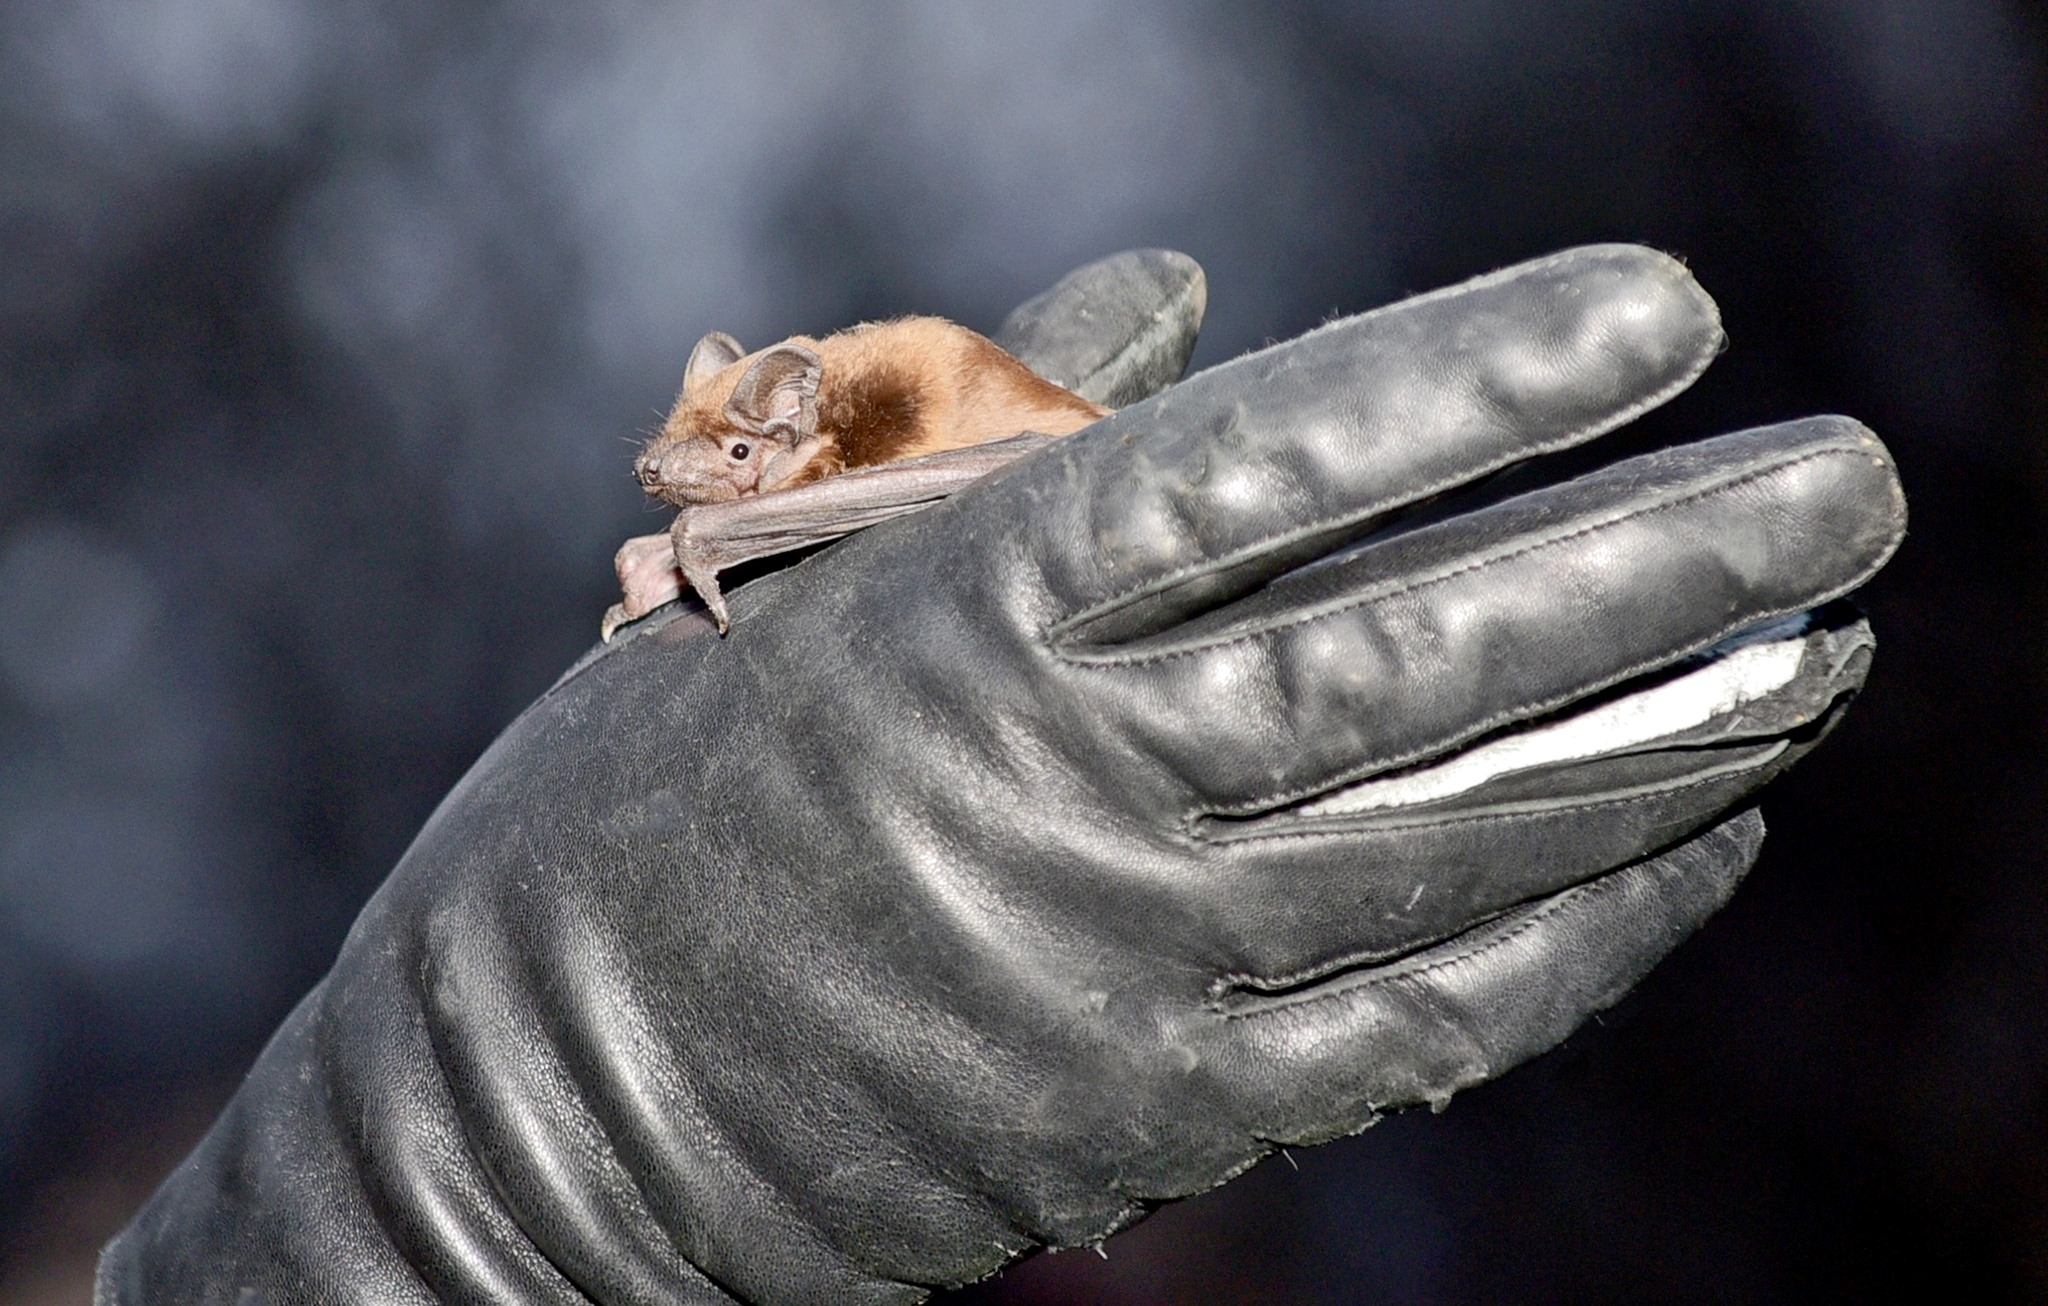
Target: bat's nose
648	470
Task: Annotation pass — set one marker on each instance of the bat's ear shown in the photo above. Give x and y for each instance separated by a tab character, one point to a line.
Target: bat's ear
778	396
713	354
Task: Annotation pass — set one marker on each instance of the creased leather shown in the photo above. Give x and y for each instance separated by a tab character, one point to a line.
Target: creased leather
964	899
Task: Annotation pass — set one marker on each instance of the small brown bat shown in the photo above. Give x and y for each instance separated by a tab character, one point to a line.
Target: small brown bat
810	440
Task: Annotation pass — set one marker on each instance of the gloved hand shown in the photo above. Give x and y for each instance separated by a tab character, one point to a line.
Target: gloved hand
1193	787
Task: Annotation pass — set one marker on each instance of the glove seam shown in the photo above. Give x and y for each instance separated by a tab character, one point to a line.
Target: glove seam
1539	706
1222	984
1716	340
1212	643
1528	708
1500	276
1564	899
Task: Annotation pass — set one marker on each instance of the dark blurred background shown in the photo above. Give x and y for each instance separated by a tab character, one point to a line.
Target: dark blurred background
325	326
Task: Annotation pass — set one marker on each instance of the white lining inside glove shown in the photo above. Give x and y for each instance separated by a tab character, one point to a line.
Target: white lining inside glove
1738	670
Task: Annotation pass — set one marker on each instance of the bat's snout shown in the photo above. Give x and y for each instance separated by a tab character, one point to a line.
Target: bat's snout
681	479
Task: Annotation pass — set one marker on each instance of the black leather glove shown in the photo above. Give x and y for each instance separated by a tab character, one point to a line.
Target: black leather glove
1190	788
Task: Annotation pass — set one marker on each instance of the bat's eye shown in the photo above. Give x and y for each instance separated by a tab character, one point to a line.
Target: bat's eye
739	452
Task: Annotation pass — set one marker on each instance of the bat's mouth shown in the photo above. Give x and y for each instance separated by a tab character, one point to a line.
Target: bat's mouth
694	491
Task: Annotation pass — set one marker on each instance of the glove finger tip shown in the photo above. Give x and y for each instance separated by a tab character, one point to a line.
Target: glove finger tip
1842	488
1628	327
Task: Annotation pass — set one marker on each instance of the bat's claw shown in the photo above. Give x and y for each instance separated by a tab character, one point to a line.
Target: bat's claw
614	617
697	558
705	582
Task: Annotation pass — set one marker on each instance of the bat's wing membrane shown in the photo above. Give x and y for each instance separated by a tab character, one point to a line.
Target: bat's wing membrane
714	536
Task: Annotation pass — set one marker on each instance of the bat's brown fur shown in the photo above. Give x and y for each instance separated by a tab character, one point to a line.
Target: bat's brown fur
889	391
804	410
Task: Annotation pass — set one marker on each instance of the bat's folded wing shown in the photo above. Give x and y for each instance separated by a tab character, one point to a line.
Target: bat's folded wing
714	536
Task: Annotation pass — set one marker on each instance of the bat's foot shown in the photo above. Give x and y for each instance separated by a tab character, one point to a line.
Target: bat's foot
648	578
650	575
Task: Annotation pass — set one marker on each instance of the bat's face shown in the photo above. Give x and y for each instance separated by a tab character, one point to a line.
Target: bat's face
741	426
687	464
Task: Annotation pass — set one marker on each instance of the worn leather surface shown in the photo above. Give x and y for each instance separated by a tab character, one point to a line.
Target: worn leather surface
966	898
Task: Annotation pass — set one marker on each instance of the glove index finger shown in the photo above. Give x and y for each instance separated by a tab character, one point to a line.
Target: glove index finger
1251	468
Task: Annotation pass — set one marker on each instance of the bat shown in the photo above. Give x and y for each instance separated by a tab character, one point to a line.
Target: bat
809	440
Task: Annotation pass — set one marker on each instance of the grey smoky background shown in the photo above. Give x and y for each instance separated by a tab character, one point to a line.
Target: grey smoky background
326	328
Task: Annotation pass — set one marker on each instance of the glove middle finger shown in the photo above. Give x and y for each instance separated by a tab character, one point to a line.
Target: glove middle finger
1246	470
